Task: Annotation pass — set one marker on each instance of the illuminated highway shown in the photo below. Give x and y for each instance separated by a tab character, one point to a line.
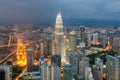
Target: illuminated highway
14	52
21	74
8	56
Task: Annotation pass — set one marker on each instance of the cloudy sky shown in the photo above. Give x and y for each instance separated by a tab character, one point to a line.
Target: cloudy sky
46	10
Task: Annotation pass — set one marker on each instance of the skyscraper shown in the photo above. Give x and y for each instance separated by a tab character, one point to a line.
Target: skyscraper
89	39
50	72
30	59
82	33
99	68
68	72
5	72
95	38
73	41
113	67
59	43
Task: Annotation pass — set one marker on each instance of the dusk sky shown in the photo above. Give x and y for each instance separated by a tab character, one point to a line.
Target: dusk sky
46	10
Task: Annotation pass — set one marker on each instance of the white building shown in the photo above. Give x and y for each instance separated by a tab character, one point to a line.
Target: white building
99	68
83	63
42	48
95	38
59	37
113	67
88	74
50	72
5	73
89	39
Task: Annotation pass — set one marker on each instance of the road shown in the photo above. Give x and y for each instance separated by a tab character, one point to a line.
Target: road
21	74
8	56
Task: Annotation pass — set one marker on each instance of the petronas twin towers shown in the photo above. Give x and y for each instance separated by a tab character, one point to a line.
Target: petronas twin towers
59	39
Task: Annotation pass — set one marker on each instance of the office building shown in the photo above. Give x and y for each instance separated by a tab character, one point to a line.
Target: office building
88	74
56	60
68	72
30	59
73	61
41	48
72	41
113	67
50	72
83	63
5	73
82	33
89	41
95	38
99	68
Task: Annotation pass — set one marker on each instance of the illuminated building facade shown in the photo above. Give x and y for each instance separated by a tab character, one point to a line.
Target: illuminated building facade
89	39
108	47
95	38
113	67
21	53
73	41
59	37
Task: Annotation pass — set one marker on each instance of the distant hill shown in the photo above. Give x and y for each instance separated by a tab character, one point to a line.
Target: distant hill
92	22
70	22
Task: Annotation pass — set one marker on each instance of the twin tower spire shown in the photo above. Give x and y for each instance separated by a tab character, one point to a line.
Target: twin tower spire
59	40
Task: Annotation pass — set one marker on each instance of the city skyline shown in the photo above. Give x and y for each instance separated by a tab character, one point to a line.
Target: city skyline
59	40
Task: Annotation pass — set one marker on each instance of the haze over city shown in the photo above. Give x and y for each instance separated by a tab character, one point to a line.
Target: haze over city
44	11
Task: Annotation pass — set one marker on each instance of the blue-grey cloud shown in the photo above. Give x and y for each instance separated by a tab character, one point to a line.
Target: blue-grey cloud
46	10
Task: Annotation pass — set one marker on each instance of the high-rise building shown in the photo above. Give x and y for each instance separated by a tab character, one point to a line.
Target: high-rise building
83	63
68	72
89	39
104	40
116	44
50	72
72	39
82	33
47	46
30	59
53	47
99	68
56	60
113	67
73	58
95	38
59	43
42	48
45	72
5	73
88	73
2	75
